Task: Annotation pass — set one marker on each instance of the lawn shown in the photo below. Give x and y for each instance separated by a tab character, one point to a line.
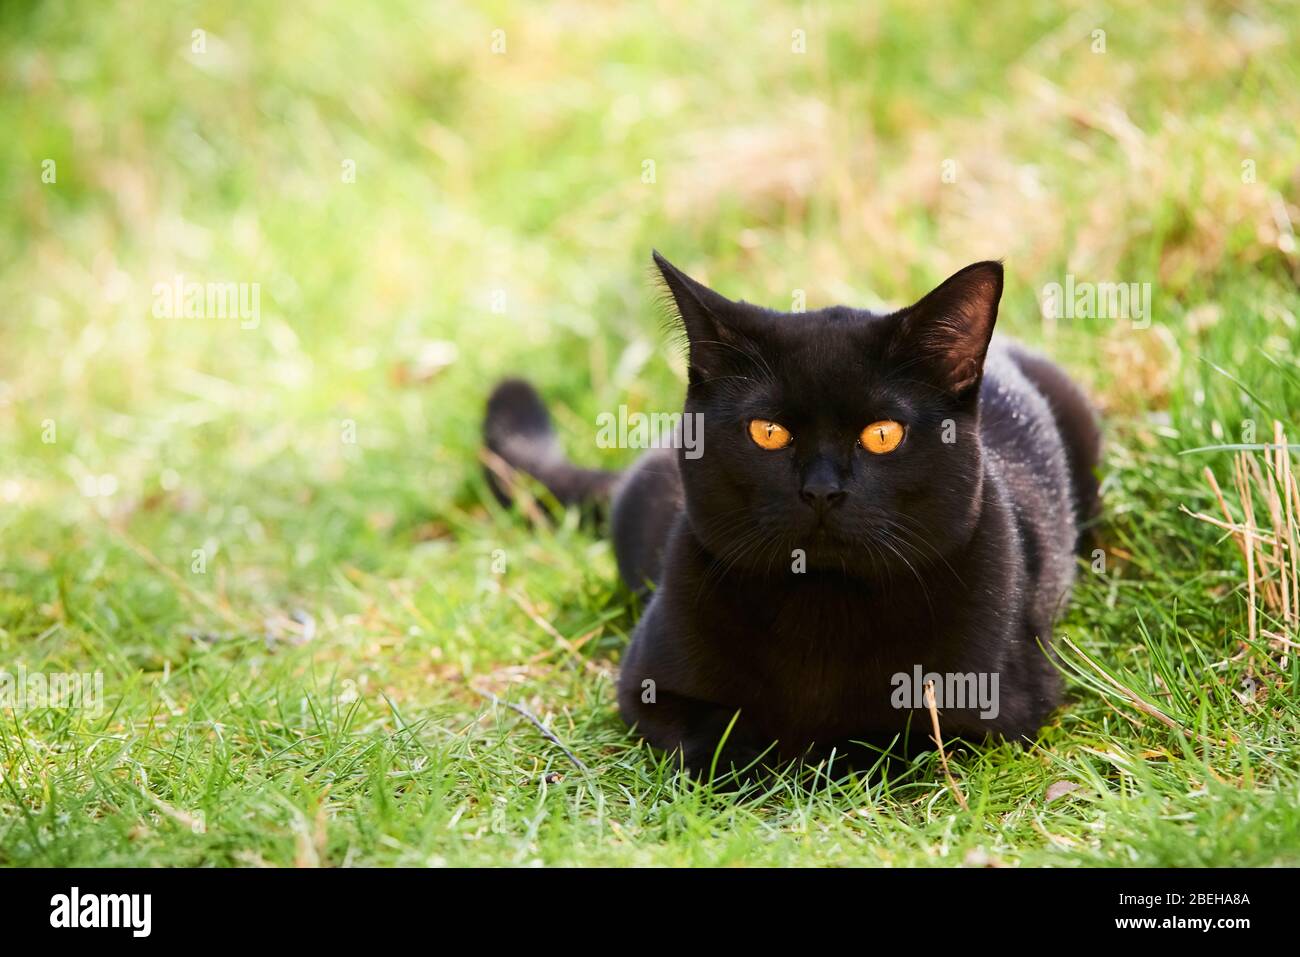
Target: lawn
266	534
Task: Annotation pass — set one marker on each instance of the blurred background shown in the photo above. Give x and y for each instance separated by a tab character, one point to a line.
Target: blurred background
429	196
432	195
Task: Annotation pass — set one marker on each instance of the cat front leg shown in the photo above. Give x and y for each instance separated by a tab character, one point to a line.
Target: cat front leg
722	745
710	740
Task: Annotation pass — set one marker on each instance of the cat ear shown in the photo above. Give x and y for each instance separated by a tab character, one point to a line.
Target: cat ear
718	330
948	331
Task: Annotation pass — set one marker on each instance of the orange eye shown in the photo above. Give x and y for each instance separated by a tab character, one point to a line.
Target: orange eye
769	435
882	437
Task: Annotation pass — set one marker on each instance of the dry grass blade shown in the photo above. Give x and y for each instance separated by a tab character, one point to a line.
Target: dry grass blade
1270	553
152	560
572	648
938	741
506	474
1133	697
536	722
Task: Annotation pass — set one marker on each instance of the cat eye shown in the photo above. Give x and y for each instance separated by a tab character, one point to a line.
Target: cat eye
769	435
881	437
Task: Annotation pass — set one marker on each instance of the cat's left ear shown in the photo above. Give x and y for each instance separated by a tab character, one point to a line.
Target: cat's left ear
948	331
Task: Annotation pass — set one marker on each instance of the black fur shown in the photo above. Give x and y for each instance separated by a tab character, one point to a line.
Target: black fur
517	430
792	585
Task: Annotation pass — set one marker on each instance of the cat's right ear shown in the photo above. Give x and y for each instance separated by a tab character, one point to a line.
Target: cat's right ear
716	328
948	331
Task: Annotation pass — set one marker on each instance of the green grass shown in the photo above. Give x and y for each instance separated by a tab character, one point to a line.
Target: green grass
233	734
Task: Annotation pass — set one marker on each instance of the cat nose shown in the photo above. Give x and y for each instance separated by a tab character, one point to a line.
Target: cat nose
822	494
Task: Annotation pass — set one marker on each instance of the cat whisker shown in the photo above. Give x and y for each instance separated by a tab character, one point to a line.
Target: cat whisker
925	591
915	533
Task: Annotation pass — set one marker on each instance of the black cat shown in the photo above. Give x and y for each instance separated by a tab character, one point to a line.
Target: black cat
877	498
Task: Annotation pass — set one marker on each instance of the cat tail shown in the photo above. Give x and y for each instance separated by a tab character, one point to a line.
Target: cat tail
518	434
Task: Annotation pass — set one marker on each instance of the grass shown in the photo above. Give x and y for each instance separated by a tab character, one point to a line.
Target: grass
295	630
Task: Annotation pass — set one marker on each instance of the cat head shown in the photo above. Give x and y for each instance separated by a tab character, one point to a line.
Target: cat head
844	437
